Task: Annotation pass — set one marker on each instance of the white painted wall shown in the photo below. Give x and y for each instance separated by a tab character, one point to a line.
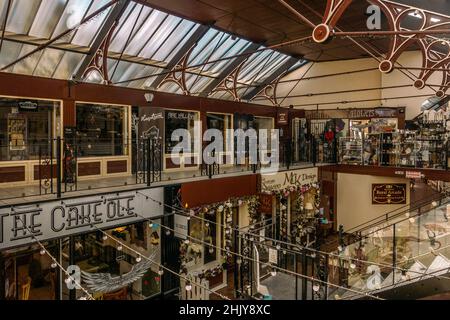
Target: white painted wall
354	199
356	81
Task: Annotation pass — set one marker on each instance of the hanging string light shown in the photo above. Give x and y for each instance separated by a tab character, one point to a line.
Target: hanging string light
340	248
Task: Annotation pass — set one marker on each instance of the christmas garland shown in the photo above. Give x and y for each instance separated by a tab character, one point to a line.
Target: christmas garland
209	273
224	208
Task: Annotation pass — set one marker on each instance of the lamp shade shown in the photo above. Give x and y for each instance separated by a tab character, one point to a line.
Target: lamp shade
309	206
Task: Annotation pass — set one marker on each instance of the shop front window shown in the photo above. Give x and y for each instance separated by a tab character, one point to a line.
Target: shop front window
97	256
203	232
264	124
221	122
179	120
102	130
27	128
29	275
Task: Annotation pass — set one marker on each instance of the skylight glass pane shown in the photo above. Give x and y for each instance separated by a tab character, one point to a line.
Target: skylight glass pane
172	53
122	34
87	32
47	18
68	65
49	61
21	16
200	84
149	27
165	30
251	66
228	49
174	43
257	67
274	65
201	51
73	14
143	72
27	65
10	52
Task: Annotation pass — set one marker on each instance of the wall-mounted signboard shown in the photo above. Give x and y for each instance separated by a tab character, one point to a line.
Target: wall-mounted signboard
20	225
389	193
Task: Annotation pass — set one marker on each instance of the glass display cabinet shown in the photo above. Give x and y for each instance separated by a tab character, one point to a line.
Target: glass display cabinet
405	148
371	149
350	151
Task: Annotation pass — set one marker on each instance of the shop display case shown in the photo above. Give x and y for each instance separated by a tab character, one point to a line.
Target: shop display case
17	137
405	148
350	151
371	149
431	145
387	147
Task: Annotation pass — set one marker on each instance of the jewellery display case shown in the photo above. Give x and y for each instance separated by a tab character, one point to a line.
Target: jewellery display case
431	145
405	148
387	149
372	149
350	151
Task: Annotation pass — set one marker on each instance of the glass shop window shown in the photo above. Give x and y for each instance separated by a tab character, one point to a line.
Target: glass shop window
96	255
27	128
264	124
179	120
221	122
29	275
203	249
102	130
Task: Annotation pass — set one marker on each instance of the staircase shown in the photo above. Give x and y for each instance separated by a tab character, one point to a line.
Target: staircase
405	256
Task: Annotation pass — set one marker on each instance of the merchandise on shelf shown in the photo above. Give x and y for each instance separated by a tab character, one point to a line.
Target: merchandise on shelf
405	148
372	149
350	151
431	145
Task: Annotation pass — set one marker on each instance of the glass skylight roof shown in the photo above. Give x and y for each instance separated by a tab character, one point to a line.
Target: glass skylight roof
144	42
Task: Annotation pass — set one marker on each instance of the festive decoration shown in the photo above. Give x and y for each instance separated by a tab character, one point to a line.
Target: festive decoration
209	273
105	282
226	210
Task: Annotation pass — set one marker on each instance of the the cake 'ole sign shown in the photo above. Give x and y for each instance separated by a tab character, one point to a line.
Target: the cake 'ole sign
389	193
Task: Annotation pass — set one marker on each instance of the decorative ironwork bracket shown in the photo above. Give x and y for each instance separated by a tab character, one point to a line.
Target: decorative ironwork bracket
270	91
229	84
435	52
178	73
99	63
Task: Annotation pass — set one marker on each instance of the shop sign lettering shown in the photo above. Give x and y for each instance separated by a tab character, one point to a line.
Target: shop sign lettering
181	115
362	113
389	193
152	117
283	180
20	225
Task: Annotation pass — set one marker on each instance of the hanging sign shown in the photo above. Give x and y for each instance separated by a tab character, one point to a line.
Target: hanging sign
282	118
62	218
283	180
389	193
265	204
181	227
273	256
